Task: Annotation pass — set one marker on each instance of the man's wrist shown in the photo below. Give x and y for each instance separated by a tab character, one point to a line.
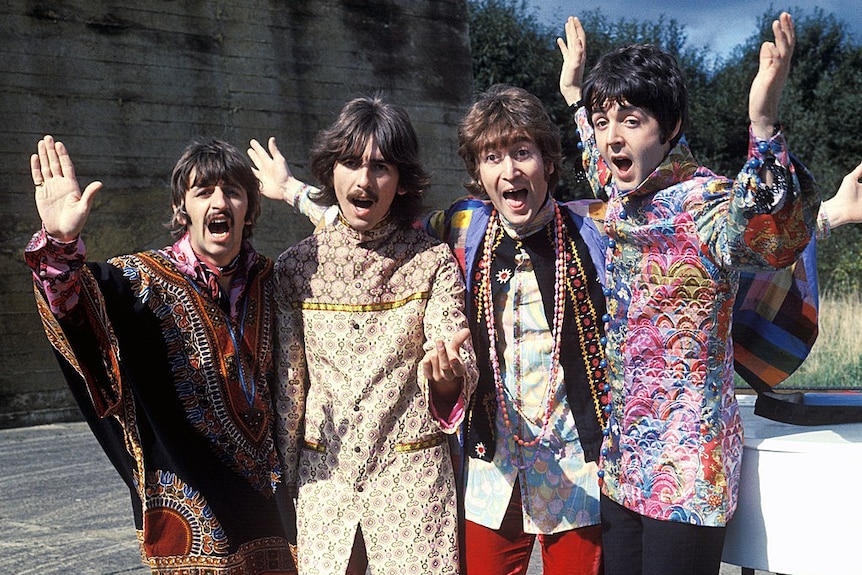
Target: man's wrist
572	97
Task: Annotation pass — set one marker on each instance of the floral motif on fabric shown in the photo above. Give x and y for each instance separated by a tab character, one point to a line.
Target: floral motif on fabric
678	241
357	311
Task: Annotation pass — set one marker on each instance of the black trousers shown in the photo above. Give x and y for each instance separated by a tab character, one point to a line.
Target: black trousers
636	545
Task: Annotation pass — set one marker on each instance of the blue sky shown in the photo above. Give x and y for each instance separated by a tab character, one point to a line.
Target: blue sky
718	25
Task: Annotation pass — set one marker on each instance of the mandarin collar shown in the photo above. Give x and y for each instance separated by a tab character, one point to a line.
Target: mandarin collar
678	166
382	230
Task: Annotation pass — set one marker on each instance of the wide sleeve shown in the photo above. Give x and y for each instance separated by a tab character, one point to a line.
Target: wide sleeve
760	226
71	304
595	169
292	373
775	314
452	225
444	317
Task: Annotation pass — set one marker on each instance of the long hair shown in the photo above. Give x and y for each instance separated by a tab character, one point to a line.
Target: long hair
212	162
501	116
644	76
360	120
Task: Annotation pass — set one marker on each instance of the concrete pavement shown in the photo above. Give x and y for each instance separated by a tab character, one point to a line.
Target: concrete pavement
64	510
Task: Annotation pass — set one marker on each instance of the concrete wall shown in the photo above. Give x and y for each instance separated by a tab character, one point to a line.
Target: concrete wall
127	84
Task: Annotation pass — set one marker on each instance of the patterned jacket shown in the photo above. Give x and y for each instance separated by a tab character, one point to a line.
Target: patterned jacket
463	227
677	244
356	313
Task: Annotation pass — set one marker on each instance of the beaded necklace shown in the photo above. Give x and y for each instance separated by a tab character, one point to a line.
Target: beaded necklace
492	238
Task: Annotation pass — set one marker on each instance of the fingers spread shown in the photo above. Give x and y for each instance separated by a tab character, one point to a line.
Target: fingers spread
66	166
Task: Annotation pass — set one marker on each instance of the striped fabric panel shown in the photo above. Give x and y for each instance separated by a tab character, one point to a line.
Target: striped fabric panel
775	321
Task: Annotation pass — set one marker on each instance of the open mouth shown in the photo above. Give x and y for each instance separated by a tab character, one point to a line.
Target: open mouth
362	203
219	225
519	195
623	164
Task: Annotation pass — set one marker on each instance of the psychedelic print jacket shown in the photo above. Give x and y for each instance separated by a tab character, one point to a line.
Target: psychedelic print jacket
676	246
462	226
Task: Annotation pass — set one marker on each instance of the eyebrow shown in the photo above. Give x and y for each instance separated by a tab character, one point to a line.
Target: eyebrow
624	107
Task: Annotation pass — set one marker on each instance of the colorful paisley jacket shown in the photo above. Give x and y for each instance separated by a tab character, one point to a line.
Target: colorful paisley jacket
676	246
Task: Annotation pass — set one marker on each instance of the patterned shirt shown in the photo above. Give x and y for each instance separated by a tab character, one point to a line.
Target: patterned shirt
357	312
677	245
559	488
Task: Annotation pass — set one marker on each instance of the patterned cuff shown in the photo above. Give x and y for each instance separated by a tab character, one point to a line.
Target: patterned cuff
301	194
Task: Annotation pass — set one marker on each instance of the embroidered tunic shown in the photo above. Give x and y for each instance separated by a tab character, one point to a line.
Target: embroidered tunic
177	391
357	311
677	245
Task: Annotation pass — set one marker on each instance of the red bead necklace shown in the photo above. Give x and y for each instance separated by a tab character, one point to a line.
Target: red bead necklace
557	329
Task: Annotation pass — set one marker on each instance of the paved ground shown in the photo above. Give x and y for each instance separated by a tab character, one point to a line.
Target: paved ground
64	510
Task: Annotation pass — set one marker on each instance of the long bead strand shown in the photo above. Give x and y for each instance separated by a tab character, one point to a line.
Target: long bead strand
559	311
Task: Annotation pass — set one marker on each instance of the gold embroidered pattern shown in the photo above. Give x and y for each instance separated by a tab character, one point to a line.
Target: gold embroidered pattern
382	306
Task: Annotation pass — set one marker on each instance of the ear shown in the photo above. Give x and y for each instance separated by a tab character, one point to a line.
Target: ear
180	215
400	191
549	169
676	130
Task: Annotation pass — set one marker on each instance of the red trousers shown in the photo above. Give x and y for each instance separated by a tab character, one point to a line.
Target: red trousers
506	551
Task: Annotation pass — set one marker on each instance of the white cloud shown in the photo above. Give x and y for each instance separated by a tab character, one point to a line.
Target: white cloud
719	25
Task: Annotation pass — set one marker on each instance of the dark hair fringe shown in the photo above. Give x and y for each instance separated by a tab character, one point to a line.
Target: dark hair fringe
360	120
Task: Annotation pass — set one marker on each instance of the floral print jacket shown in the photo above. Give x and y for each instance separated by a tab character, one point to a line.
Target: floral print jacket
676	244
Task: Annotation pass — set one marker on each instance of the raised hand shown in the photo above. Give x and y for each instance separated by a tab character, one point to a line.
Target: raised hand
574	53
62	206
774	68
845	207
272	171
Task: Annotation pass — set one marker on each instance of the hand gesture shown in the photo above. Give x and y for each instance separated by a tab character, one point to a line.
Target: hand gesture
574	53
62	206
272	171
444	369
845	207
771	76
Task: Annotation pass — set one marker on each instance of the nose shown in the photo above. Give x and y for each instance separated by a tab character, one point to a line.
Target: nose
218	197
363	177
614	134
510	167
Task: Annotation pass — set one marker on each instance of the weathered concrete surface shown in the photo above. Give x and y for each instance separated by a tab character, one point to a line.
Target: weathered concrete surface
63	508
126	84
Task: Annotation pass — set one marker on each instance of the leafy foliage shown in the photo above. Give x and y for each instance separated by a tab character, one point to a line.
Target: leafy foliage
819	108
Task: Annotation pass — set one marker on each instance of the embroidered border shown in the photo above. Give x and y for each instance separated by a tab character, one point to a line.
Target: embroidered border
323	306
418	445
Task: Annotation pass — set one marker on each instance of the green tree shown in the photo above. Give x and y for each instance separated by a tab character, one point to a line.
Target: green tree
510	46
819	109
